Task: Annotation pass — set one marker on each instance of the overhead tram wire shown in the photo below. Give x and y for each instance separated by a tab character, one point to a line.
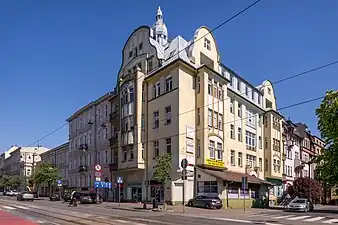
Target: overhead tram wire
47	135
212	30
272	83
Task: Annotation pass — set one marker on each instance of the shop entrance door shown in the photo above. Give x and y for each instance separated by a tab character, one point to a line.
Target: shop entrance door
137	194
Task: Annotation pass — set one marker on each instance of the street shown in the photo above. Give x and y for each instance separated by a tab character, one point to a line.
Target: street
57	213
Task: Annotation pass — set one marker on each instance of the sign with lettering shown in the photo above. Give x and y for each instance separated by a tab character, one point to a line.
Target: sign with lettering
214	162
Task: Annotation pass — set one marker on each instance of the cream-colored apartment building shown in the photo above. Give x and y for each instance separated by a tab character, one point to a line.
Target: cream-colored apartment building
177	97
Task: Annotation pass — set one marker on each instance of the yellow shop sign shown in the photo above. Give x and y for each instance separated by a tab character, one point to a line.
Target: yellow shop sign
214	162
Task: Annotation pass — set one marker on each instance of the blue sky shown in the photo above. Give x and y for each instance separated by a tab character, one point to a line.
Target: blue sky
56	56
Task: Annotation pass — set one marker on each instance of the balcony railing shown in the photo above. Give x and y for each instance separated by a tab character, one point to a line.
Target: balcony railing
83	147
83	169
114	139
251	148
114	115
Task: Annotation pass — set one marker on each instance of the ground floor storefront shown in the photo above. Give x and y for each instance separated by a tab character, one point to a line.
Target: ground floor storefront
227	186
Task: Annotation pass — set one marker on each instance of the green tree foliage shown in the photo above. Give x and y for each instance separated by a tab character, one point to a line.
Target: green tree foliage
306	188
45	174
11	181
327	162
163	168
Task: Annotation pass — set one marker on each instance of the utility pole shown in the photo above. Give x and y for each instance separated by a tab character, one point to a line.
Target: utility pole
95	137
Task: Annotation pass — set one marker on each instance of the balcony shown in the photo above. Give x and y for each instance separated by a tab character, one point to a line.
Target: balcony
114	115
113	167
83	169
114	140
251	148
83	147
298	163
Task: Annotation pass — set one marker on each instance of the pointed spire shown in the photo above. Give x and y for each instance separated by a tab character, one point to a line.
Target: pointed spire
160	32
159	15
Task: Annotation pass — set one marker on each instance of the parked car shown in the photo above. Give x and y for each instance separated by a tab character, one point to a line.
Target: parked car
25	196
66	197
54	197
12	193
301	204
206	202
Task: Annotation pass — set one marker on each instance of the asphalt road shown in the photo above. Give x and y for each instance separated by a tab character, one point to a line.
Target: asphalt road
58	213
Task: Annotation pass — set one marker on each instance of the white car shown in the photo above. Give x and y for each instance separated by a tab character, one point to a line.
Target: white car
12	193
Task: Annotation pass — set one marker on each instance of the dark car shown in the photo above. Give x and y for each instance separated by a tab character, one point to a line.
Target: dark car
54	197
90	198
66	197
206	202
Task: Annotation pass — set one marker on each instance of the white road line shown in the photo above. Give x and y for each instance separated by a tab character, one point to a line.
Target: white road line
298	218
282	217
22	207
314	219
272	224
121	221
331	221
8	207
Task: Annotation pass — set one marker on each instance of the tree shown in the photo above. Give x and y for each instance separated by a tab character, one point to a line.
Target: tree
327	161
163	168
45	173
306	188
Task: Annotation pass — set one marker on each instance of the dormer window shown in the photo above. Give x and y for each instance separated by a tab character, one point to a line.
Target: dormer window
140	46
207	44
269	91
130	54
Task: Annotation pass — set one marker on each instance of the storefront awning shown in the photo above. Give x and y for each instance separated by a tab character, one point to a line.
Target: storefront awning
234	176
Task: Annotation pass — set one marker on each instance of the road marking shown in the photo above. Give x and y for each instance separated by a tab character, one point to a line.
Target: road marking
121	221
8	207
298	218
22	207
272	224
282	217
331	221
314	219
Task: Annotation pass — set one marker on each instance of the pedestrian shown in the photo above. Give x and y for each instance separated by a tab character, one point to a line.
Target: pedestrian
72	198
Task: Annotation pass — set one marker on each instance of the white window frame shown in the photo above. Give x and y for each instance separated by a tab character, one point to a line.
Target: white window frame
209	117
232	158
219	149
156	119
167	111
168	84
231	106
212	149
168	144
207	44
156	149
250	140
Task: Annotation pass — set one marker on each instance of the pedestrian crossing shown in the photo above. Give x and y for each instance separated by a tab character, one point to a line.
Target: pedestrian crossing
294	217
13	208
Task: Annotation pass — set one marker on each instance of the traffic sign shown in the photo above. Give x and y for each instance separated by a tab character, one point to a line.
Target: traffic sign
98	168
59	181
119	180
102	184
98	178
98	174
184	163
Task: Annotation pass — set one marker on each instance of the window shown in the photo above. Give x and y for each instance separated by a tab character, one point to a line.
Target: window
238	85
210	118
278	166
198	116
198	148
168	84
220	121
231	80
172	53
239	134
250	140
266	164
142	122
215	119
220	93
98	135
269	91
239	110
253	95
232	131
212	149
232	157
106	111
251	161
105	156
207	44
150	64
140	46
198	84
260	164
156	149
124	155
246	91
168	145
250	119
209	87
167	115
130	53
219	151
131	94
156	119
239	159
105	133
260	142
157	89
131	157
259	99
135	51
231	106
